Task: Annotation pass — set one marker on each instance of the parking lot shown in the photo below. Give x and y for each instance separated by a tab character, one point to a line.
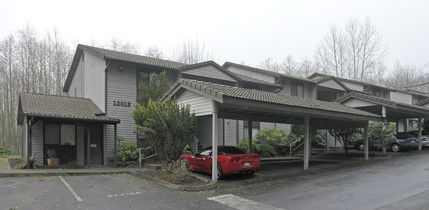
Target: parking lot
399	182
94	192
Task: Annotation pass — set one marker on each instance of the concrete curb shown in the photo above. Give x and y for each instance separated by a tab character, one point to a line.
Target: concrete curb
208	186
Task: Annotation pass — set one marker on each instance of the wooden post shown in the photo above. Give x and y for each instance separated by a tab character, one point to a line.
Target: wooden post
88	144
306	141
214	140
366	141
115	146
419	124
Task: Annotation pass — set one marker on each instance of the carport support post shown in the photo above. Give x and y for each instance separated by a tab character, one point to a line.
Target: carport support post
306	141
214	141
249	140
88	145
115	146
366	141
419	124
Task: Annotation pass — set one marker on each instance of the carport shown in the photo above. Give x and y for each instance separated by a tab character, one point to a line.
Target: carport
223	101
392	111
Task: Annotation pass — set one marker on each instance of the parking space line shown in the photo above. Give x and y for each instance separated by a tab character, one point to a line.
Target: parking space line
71	189
241	203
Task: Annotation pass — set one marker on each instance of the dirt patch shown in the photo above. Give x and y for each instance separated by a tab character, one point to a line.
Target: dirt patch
14	161
189	180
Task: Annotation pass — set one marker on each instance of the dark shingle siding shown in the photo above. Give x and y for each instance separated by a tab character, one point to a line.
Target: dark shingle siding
34	104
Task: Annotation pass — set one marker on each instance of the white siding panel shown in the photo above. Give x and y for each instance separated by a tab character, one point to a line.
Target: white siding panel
121	86
331	84
37	141
286	90
80	146
78	81
353	86
252	74
94	87
240	130
401	97
199	104
210	72
204	133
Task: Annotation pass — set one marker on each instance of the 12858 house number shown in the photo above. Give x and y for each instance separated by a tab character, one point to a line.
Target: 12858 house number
122	103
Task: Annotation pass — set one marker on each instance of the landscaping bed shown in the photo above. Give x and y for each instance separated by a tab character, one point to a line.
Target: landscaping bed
188	181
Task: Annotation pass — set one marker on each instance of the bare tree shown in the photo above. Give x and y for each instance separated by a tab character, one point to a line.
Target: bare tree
122	46
289	66
154	52
406	76
191	52
305	67
270	65
357	52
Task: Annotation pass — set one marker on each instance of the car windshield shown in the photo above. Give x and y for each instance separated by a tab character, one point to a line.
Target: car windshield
230	151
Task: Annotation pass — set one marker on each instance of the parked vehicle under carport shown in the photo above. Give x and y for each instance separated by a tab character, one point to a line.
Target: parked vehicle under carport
400	144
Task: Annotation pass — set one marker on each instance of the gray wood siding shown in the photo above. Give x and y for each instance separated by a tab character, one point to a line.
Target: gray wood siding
401	97
230	132
210	72
37	141
80	146
200	104
94	87
255	75
121	86
286	88
78	81
331	84
204	133
353	86
357	103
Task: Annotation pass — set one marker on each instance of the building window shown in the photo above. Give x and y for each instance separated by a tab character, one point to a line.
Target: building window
68	134
60	134
297	89
52	134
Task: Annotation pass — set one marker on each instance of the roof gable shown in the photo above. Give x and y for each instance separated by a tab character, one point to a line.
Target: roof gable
333	84
209	69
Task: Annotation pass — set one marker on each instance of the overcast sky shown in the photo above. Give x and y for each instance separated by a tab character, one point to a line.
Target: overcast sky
236	31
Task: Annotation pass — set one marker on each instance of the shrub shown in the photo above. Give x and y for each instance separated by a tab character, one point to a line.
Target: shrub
173	172
167	127
127	150
273	136
5	151
264	150
382	134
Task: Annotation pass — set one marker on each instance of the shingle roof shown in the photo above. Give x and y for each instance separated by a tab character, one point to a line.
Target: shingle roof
122	56
263	71
381	101
220	91
63	107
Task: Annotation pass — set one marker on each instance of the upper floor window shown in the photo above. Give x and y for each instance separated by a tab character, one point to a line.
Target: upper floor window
297	89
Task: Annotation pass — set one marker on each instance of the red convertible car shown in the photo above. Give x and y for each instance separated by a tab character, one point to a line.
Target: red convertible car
230	160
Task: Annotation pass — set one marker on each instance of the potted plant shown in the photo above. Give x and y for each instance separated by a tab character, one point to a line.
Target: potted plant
52	158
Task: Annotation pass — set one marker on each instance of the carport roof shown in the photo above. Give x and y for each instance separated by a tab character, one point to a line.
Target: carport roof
60	107
225	94
402	109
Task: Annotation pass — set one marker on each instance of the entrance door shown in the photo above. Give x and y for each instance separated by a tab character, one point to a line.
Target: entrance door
96	145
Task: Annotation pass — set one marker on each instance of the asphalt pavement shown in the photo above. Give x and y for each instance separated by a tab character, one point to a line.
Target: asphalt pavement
400	182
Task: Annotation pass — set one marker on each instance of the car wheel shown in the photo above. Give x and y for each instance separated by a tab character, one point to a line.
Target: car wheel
219	171
184	164
395	148
361	147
